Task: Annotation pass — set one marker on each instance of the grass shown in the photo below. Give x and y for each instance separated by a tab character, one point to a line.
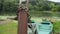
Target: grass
8	28
56	27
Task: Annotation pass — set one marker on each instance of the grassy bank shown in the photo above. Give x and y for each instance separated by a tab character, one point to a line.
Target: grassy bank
8	28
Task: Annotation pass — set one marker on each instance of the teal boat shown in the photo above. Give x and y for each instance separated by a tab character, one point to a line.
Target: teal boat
44	27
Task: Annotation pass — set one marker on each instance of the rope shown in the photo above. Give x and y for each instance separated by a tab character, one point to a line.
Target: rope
20	4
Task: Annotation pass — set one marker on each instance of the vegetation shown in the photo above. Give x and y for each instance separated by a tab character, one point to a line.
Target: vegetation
8	28
37	7
56	27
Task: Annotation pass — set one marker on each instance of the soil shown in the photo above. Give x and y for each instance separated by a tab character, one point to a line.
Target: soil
5	21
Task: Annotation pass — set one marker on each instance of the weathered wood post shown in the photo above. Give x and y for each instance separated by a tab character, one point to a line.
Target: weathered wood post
22	19
22	22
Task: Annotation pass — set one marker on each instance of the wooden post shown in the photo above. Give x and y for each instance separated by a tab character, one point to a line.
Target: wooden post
22	18
22	21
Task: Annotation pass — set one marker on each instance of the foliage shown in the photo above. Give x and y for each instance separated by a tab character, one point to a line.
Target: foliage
56	27
8	7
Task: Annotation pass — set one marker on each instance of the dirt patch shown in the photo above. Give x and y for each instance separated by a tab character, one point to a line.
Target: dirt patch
5	21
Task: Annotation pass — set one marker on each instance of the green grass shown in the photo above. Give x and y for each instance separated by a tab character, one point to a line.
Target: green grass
56	27
8	28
